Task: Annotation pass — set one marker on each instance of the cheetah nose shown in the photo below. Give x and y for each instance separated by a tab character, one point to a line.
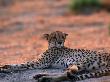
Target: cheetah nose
59	42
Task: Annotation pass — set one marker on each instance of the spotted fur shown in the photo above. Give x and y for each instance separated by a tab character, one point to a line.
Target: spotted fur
80	63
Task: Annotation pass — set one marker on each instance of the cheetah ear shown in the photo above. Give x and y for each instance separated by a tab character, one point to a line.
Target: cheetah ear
65	34
45	36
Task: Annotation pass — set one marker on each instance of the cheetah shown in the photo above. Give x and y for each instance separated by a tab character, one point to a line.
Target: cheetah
79	64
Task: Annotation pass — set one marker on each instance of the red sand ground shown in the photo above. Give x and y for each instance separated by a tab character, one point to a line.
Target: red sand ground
23	24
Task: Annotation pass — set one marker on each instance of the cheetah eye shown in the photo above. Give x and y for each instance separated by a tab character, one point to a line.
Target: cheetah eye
63	37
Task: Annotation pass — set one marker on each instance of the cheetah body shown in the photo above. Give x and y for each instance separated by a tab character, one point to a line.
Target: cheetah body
84	59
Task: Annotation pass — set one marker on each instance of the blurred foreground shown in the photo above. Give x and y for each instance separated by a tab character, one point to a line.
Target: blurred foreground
27	76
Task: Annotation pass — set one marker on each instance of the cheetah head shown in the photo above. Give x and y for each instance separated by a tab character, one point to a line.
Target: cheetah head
55	39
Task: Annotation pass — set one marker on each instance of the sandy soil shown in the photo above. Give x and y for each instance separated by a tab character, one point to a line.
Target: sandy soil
23	23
